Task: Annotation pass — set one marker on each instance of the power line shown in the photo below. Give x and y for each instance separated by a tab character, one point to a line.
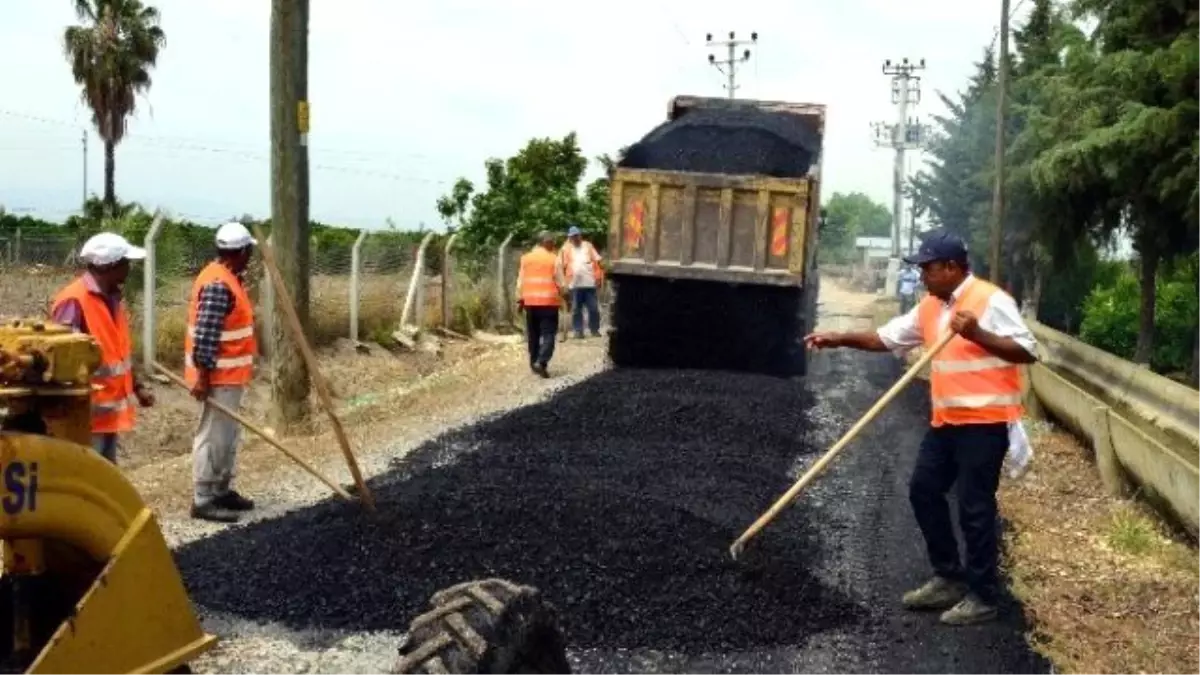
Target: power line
728	66
159	139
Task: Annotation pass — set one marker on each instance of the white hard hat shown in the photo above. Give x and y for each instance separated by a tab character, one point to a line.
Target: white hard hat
107	248
234	235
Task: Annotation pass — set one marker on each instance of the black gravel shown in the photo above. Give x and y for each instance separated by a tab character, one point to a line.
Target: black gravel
665	323
738	141
619	498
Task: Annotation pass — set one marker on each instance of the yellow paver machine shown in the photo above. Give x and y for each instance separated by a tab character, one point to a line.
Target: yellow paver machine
88	582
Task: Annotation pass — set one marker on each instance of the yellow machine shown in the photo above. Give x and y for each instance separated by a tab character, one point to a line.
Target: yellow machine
88	584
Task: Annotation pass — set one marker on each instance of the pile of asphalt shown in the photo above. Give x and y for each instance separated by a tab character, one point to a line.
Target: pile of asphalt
664	323
618	498
735	141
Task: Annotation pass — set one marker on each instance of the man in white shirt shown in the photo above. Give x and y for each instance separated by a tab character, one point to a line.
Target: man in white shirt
975	387
909	278
580	264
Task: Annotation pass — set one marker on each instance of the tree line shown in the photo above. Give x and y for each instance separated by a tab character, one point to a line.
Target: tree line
183	246
1100	141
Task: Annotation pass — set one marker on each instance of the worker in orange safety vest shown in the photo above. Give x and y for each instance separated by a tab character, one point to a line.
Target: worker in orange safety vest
584	276
540	291
92	304
219	351
975	386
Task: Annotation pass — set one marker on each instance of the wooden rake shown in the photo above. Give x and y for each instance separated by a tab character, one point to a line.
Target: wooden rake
817	469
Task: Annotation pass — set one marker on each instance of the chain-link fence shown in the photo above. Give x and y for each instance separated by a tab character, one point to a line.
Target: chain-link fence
357	291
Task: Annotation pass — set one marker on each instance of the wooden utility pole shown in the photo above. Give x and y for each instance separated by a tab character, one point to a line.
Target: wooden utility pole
998	187
289	201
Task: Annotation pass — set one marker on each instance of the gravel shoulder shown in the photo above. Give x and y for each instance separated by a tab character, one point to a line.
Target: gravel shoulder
623	520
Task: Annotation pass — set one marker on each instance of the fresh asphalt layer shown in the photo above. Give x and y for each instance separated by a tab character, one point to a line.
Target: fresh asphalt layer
618	499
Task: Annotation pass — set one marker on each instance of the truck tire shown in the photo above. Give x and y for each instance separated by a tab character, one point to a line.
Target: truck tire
485	626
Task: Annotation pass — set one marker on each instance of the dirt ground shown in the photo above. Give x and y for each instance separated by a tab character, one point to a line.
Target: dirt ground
165	430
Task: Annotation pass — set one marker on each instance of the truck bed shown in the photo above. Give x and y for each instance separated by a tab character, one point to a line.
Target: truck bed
707	226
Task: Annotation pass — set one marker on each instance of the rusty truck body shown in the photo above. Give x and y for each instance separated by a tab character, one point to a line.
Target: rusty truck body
745	229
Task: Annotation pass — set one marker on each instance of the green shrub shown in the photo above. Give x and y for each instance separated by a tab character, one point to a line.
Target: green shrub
1110	316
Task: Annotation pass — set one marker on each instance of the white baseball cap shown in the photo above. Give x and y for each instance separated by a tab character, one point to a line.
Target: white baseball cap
234	235
107	248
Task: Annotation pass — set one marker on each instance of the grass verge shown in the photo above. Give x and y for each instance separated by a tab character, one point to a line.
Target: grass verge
1105	585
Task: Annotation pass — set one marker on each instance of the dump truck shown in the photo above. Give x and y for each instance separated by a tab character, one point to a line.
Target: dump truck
712	239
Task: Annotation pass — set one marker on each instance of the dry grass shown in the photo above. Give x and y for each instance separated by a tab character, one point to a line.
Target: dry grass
1107	588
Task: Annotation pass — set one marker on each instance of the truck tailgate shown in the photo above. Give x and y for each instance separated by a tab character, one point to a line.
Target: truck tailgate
716	227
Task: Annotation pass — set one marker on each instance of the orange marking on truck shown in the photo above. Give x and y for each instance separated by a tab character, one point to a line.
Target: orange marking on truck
779	231
634	224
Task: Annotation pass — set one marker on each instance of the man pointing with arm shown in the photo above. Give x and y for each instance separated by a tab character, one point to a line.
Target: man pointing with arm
975	386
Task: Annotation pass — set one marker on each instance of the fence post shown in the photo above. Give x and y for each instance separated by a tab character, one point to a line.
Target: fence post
355	273
447	285
414	283
16	250
149	293
503	306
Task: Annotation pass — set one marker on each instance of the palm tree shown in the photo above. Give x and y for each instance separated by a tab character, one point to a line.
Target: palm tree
111	56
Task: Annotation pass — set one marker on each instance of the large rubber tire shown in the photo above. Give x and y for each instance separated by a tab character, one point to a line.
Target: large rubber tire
485	626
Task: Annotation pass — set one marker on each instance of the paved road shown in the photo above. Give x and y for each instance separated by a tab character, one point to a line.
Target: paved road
618	498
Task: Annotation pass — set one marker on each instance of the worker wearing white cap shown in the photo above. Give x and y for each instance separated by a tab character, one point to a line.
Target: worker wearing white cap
219	351
92	304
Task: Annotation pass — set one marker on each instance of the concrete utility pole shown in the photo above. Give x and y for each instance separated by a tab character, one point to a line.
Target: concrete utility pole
728	66
289	201
905	134
998	187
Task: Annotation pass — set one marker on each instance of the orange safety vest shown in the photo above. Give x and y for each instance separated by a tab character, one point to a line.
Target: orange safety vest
568	253
968	384
238	346
536	283
113	401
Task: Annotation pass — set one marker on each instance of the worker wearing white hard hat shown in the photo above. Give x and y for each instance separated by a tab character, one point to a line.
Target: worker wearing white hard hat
92	304
219	350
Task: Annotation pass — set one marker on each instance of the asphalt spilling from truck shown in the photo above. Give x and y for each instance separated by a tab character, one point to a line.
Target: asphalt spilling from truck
618	498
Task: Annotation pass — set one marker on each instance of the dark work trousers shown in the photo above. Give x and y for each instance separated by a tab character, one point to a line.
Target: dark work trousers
585	299
541	325
969	458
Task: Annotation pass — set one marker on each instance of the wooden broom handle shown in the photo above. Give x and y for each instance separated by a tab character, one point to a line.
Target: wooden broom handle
261	433
830	454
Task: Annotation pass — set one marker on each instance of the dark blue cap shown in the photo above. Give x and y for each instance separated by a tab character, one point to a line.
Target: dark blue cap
940	244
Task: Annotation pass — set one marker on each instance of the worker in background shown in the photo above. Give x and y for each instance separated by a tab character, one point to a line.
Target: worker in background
92	304
219	351
540	292
581	267
975	383
907	287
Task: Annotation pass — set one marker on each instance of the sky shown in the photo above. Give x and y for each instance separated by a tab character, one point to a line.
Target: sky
408	96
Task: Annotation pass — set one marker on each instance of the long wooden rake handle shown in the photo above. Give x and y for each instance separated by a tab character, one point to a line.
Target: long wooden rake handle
830	454
314	371
261	433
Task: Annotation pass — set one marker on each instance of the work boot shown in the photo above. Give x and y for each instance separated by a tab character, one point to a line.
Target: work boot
971	610
540	369
213	513
234	502
937	593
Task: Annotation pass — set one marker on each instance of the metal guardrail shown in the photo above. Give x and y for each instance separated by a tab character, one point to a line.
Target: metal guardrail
1142	426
